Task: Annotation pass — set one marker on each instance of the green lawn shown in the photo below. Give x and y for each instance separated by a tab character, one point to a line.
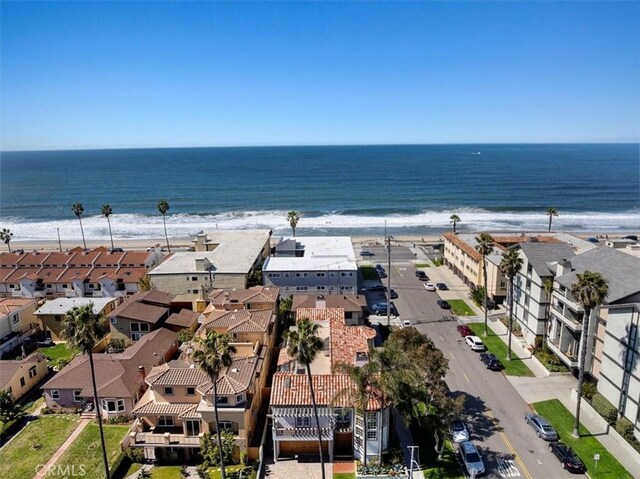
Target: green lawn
214	473
58	355
448	467
32	406
133	468
494	343
368	272
34	445
85	450
586	446
166	472
344	475
460	307
423	265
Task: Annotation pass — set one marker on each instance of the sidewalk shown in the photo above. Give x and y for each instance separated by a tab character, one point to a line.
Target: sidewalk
65	445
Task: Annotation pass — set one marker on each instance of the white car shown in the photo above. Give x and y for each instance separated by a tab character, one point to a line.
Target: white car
475	343
459	432
471	458
406	323
429	286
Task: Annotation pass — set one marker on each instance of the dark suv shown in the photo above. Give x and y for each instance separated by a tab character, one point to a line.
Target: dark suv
422	276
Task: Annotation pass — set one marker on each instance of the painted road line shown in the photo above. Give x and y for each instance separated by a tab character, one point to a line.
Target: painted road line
452	356
511	449
465	376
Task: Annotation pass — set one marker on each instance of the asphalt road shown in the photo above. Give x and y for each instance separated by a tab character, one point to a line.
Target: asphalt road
494	411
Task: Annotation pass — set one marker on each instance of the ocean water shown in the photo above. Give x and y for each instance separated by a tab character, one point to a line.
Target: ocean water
336	189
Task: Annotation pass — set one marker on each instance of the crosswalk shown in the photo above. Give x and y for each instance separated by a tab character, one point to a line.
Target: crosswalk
506	468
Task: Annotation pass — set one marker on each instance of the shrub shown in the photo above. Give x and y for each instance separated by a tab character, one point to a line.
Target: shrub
624	427
604	408
185	335
136	454
118	420
477	295
589	390
537	343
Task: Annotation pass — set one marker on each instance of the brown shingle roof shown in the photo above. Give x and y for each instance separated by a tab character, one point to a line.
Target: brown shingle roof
243	320
237	298
184	319
162	409
170	375
348	302
9	305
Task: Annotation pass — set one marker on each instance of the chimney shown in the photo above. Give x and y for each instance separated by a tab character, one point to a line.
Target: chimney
321	302
200	264
563	267
142	375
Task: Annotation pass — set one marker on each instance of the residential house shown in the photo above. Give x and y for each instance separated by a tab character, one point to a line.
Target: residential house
531	297
51	314
19	376
74	273
17	322
343	428
227	260
138	315
306	265
177	409
256	297
184	319
354	306
120	377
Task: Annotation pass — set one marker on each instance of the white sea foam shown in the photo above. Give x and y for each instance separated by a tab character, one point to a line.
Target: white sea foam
129	226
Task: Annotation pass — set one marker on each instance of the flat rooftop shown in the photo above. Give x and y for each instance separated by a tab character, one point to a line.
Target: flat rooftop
63	305
321	253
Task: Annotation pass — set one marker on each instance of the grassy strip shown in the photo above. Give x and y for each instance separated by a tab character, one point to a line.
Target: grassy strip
460	307
368	272
86	451
448	467
35	445
214	472
515	367
58	355
585	446
423	265
344	475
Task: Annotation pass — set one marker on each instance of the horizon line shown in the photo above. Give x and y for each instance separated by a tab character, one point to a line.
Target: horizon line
592	142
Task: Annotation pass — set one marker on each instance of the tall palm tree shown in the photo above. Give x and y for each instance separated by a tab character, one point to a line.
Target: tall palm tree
510	266
590	290
358	392
304	345
213	354
163	207
551	212
547	284
455	219
293	217
82	330
106	212
484	246
5	237
78	209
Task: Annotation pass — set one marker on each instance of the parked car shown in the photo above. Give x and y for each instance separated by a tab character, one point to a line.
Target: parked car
429	286
471	458
382	273
378	287
379	267
475	343
444	304
464	330
406	323
381	308
422	276
491	361
393	294
567	457
542	427
459	431
366	253
442	286
593	239
631	237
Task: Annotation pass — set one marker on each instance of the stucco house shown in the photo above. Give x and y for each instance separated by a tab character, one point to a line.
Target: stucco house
21	375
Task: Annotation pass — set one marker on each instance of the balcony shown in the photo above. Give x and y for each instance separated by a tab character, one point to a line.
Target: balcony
166	439
302	433
567	354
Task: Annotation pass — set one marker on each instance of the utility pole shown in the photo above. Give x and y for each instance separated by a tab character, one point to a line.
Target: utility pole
387	243
59	242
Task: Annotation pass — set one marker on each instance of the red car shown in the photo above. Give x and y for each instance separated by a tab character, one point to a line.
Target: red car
464	330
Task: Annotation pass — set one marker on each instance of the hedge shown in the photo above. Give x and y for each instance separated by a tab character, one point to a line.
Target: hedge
607	410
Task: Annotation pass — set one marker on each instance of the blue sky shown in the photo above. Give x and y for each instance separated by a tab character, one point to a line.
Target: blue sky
118	75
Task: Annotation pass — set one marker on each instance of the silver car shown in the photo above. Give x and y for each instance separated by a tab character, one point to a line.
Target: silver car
459	432
542	427
471	458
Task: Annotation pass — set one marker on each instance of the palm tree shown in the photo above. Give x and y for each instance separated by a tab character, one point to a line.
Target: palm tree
163	207
455	219
213	354
5	237
82	330
484	246
551	212
145	284
510	266
293	217
304	345
106	212
357	393
590	290
547	284
78	210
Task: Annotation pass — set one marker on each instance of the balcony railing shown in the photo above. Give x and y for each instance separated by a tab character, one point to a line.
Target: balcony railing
303	433
568	358
165	439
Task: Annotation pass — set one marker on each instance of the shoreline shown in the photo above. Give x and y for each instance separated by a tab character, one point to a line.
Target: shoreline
182	243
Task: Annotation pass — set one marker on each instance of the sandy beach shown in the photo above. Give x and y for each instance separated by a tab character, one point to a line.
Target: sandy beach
183	243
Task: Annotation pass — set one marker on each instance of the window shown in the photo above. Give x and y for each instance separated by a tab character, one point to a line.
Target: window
286	275
22	382
76	395
321	287
239	398
166	421
303	421
168	391
194	278
113	405
301	288
140	327
65	286
33	372
55	394
136	336
15	319
273	275
49	286
114	320
372	425
226	426
346	274
332	274
529	268
58	317
321	275
223	400
190	391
